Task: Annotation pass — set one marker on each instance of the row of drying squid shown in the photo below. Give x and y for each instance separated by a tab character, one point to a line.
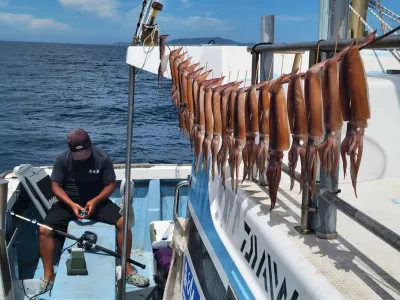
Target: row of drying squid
222	120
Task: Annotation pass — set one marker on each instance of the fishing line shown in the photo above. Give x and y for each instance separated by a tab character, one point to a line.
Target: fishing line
381	37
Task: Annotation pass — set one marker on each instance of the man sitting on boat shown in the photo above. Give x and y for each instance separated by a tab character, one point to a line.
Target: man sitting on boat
83	179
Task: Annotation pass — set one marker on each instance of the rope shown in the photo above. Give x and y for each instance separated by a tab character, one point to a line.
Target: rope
388	15
381	15
381	20
151	48
385	25
370	28
361	18
136	39
374	3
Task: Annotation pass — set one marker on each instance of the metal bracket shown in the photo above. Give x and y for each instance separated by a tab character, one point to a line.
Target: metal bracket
304	230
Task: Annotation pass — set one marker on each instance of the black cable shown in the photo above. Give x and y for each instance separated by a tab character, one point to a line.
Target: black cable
253	49
66	248
33	297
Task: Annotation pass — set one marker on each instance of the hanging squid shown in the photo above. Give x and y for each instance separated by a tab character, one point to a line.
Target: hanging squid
190	108
328	150
227	133
355	108
232	119
181	96
177	61
251	149
201	121
183	112
297	115
279	137
263	145
161	67
172	55
235	158
197	81
313	99
217	122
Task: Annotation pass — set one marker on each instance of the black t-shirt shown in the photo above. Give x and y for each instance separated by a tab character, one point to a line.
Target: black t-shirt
83	180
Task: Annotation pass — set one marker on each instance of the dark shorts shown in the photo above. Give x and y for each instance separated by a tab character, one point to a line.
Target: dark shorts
60	214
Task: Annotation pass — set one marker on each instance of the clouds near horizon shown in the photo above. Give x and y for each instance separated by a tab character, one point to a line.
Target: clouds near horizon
102	8
31	22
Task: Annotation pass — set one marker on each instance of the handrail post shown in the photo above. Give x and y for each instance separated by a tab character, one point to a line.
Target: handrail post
127	179
177	195
6	288
306	202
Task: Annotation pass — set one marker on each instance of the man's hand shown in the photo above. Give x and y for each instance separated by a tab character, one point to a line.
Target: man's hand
90	207
76	208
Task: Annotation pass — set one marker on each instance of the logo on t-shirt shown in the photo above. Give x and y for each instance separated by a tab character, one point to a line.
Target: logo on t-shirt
94	171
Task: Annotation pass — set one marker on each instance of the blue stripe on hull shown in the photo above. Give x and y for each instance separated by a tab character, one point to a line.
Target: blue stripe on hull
200	202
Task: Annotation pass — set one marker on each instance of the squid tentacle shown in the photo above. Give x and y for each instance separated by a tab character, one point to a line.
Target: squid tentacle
274	175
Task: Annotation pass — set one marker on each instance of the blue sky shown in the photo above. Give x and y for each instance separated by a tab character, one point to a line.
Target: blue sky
109	21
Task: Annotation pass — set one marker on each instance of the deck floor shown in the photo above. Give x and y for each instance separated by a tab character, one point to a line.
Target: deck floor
358	264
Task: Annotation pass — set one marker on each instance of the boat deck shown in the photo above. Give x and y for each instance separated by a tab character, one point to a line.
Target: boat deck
154	198
358	264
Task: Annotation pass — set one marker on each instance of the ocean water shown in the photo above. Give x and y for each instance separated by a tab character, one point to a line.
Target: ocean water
47	89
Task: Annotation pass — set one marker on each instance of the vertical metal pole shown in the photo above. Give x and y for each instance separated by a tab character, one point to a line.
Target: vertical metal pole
267	36
331	14
266	65
127	178
323	19
356	27
324	221
254	67
306	200
306	203
6	288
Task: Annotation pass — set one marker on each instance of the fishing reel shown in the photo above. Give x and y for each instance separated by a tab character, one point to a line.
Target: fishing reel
87	240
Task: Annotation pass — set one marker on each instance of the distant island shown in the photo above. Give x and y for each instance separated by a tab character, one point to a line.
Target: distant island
200	41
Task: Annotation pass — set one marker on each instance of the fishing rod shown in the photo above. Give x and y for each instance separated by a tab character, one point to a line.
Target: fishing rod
83	240
381	37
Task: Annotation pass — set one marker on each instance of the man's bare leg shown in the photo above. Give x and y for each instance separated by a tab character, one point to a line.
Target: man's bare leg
120	227
47	246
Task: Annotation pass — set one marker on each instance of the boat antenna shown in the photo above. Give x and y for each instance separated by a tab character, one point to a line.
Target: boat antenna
136	40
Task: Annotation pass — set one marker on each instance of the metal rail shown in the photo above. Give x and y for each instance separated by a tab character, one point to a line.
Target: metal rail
385	234
127	179
6	288
391	42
